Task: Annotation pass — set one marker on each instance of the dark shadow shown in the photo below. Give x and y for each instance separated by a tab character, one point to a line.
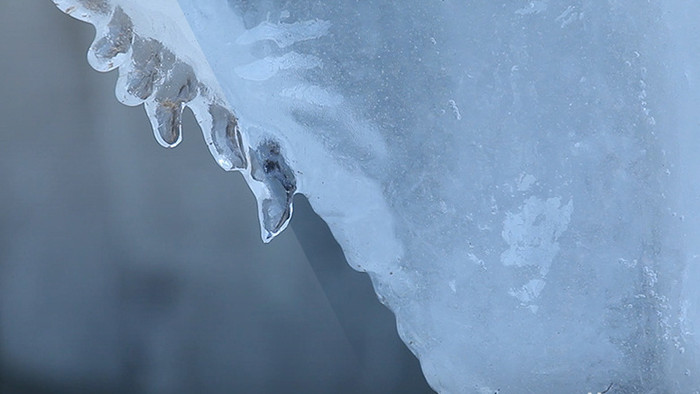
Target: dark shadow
366	322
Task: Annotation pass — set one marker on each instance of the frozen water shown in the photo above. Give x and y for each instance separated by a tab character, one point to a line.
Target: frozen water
518	178
162	67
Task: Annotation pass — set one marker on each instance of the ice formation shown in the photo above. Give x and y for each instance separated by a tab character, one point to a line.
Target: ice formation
162	67
518	178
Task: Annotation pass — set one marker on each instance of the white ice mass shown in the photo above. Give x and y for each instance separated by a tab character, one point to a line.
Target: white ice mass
518	178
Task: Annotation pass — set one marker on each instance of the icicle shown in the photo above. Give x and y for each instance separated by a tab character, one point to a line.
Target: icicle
269	167
226	139
156	68
109	50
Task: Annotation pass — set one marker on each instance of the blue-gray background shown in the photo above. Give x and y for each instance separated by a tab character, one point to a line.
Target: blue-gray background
125	267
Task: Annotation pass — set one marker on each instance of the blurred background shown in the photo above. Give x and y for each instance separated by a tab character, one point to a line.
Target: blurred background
129	268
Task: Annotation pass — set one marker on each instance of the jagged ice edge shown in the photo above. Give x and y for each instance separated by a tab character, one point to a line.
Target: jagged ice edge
170	73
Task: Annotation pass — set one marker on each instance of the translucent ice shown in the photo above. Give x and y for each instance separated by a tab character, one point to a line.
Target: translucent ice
162	67
518	178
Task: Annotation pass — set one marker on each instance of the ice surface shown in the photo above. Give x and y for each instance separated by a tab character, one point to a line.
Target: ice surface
518	178
162	67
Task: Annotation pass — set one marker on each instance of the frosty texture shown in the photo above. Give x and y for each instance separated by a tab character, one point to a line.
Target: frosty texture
517	178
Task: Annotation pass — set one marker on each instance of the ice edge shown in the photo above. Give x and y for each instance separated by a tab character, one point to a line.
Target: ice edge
150	73
165	81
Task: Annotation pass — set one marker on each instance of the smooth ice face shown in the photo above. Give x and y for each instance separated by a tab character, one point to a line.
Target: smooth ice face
517	178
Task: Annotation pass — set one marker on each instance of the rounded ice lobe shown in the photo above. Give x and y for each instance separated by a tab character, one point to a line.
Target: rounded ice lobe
226	142
110	48
165	107
166	120
269	167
